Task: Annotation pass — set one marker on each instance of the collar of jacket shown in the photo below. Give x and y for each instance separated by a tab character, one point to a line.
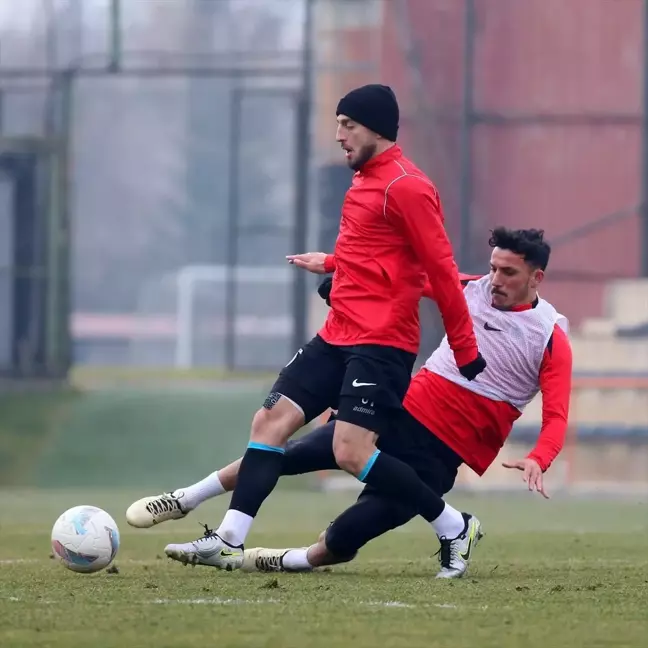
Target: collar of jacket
391	154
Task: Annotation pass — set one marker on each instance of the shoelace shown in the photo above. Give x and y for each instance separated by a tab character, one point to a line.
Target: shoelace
447	552
207	535
264	562
164	504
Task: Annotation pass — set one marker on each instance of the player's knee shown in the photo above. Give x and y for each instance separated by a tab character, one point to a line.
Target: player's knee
276	424
351	453
339	543
348	458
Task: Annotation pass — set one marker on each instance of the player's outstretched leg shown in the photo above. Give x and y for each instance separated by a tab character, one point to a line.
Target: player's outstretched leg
176	504
369	517
293	559
310	453
259	472
454	555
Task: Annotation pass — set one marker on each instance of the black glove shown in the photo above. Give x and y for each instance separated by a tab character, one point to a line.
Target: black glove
324	290
471	370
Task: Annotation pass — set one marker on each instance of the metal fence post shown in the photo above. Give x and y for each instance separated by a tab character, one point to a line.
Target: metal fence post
302	178
466	160
643	212
234	215
115	36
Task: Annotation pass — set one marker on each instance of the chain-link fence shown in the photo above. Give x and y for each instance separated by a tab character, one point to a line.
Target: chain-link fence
180	122
181	128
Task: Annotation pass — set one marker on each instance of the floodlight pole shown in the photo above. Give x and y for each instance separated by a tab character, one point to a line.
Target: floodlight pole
114	64
643	212
466	152
302	179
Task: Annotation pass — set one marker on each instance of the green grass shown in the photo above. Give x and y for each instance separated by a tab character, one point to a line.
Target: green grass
82	373
69	439
548	574
27	421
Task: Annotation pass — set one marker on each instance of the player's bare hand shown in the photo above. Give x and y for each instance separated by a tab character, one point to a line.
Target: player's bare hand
531	474
311	261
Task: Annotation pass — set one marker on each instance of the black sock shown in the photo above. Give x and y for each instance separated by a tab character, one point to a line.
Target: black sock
258	475
395	478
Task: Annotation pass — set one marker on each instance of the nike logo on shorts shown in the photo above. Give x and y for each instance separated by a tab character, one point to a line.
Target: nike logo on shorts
355	383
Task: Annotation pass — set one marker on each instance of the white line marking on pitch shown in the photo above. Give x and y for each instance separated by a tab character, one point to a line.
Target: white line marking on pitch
400	604
233	601
211	601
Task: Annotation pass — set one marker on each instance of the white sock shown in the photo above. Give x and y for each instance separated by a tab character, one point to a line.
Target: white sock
297	560
450	523
192	496
235	527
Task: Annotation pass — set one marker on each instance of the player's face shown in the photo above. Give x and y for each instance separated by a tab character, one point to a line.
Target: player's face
513	281
358	142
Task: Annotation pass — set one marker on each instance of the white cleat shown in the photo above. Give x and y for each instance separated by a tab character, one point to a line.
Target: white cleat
261	559
455	554
210	550
150	511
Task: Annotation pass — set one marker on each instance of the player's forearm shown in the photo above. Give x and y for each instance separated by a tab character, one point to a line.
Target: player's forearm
434	250
555	385
550	442
446	287
415	209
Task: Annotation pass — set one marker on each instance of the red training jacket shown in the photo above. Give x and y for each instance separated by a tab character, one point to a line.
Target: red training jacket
392	236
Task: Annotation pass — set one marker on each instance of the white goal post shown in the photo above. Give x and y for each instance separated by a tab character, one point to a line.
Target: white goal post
189	277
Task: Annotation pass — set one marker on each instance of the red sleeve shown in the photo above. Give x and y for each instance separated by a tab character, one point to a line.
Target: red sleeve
428	290
555	385
412	204
329	263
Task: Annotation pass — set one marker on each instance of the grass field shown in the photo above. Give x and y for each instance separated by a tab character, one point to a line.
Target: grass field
551	574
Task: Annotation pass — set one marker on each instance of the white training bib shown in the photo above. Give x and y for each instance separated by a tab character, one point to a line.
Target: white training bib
512	343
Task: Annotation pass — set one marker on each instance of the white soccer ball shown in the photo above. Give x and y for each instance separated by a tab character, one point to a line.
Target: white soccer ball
85	539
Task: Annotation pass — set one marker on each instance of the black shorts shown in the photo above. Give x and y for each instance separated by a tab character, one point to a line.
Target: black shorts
365	383
374	514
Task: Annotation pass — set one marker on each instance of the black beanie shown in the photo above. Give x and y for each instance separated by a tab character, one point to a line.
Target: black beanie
375	107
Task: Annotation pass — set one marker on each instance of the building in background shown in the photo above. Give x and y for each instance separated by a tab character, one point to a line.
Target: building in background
553	130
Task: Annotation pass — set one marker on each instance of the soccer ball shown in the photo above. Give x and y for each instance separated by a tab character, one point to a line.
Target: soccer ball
85	539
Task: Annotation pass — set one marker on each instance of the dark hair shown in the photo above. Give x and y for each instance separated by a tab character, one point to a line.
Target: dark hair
528	243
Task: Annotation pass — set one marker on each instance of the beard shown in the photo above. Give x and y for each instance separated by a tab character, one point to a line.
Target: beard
365	153
520	297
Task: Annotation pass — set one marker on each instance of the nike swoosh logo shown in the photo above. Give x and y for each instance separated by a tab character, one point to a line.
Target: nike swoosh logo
226	554
488	327
355	383
466	555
